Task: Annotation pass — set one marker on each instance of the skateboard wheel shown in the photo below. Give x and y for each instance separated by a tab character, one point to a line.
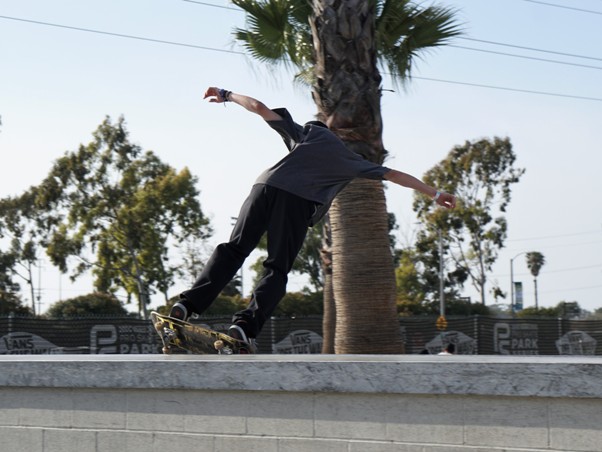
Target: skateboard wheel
219	344
159	325
167	350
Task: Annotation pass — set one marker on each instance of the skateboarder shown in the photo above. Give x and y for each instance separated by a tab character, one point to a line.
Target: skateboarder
286	199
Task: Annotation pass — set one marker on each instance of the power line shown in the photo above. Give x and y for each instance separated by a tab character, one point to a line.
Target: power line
213	5
572	234
503	88
524	57
120	35
561	270
212	49
529	48
564	7
567	289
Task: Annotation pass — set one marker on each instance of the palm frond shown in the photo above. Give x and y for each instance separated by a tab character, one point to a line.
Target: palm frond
277	31
404	31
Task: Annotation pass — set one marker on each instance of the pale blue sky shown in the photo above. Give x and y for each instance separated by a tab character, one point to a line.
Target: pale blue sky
57	85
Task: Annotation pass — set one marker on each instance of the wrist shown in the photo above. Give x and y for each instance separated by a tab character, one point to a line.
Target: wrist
224	94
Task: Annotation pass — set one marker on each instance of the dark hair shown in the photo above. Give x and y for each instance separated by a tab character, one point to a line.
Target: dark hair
450	348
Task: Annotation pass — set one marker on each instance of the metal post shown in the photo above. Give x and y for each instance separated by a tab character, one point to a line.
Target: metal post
511	287
512	280
441	287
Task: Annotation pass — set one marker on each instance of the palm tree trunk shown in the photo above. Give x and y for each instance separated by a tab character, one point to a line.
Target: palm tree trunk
536	300
363	272
347	93
329	317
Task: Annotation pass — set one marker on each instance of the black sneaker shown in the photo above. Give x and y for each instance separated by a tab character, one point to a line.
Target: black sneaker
179	311
237	332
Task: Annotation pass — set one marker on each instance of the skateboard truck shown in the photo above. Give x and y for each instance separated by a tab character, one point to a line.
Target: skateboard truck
221	348
167	335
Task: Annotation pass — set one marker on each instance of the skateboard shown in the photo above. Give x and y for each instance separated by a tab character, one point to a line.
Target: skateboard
195	338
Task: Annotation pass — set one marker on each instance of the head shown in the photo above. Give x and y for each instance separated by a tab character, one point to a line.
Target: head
451	348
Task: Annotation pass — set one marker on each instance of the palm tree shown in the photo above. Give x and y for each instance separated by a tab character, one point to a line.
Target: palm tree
535	260
336	47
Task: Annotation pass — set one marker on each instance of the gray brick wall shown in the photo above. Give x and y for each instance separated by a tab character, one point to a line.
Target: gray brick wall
82	420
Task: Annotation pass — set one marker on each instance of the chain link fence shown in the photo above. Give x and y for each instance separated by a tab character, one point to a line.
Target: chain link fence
471	335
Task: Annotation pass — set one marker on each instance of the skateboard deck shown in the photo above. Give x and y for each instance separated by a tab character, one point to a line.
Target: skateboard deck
195	338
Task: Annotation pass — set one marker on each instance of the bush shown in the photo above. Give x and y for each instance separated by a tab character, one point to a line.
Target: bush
97	303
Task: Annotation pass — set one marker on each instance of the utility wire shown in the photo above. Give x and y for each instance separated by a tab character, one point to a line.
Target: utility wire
181	44
564	7
585	267
529	48
572	234
120	35
478	85
213	6
525	57
567	289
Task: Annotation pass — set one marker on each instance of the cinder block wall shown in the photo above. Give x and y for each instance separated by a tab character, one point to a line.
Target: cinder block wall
330	404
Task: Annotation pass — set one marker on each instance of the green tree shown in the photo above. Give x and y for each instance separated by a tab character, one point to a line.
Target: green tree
410	291
296	304
596	315
570	310
535	260
335	47
123	205
17	223
418	276
564	309
539	312
481	174
10	300
97	303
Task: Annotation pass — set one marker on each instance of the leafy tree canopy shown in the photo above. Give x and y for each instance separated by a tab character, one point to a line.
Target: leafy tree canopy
10	300
564	309
123	205
96	303
481	174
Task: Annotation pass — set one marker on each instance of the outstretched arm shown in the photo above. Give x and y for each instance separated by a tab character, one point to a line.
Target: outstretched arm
406	180
219	96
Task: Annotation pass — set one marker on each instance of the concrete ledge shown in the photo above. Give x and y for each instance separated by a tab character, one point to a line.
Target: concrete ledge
400	374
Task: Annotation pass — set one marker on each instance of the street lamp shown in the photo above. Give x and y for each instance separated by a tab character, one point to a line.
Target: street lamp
512	280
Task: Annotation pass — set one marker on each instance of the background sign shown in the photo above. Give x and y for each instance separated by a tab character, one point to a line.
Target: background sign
518	296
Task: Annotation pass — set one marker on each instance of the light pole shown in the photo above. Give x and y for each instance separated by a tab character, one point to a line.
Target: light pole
512	280
441	282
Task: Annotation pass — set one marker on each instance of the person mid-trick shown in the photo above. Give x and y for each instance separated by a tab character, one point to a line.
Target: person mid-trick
286	199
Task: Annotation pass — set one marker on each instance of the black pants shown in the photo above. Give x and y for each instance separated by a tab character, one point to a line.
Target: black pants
285	217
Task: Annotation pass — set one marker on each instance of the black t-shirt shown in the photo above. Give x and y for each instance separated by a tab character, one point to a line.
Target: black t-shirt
318	166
